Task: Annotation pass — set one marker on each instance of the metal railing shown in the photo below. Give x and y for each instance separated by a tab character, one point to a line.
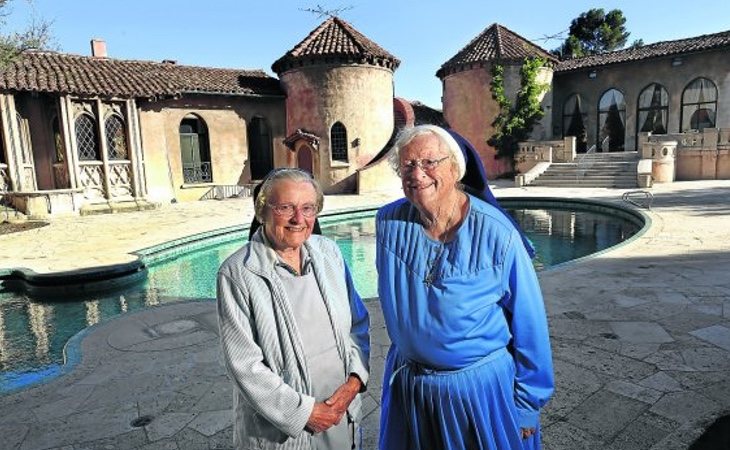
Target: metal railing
584	163
644	201
224	191
197	173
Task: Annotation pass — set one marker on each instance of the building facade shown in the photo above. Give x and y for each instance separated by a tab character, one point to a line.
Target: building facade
80	134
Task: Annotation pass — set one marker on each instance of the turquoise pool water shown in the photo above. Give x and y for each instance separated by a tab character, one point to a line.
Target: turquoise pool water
34	331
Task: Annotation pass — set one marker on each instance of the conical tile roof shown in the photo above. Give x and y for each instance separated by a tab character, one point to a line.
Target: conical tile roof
496	43
338	40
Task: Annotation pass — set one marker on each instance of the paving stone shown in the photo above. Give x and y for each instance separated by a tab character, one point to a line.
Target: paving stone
685	407
602	361
718	392
641	332
91	425
613	415
168	425
707	358
641	434
638	351
13	435
716	334
564	436
635	391
211	422
662	382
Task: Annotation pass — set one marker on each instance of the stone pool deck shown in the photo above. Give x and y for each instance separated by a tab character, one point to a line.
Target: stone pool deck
640	335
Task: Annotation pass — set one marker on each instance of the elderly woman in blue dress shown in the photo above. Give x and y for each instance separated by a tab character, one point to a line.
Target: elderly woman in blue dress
470	363
294	330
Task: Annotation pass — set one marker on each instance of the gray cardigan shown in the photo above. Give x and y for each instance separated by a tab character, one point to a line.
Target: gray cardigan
262	345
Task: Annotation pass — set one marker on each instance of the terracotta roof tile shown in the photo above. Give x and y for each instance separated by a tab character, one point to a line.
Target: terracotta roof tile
85	75
495	43
335	38
659	49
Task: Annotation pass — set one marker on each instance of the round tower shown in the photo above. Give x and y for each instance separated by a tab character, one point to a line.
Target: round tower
339	106
468	105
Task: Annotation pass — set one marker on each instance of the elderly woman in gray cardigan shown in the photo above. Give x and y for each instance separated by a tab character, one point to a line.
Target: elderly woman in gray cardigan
294	330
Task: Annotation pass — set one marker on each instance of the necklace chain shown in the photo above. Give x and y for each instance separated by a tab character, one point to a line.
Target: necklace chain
431	272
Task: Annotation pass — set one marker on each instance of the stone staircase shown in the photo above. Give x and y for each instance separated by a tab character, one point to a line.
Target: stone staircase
609	170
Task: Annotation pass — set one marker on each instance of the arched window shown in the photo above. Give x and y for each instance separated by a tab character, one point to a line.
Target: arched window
574	121
87	142
116	137
653	109
338	142
699	105
611	121
259	148
195	150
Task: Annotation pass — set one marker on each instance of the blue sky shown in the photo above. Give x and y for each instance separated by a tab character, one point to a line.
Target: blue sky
422	34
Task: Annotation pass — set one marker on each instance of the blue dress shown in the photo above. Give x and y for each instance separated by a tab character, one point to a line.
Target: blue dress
470	361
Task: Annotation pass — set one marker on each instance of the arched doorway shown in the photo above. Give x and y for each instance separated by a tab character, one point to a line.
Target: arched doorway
611	121
304	158
195	150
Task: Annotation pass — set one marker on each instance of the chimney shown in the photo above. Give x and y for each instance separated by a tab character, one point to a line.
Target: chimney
98	48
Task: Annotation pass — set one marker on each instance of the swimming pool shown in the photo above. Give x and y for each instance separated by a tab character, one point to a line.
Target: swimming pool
34	330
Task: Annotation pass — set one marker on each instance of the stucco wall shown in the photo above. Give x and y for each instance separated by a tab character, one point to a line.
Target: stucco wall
226	119
632	77
469	109
360	97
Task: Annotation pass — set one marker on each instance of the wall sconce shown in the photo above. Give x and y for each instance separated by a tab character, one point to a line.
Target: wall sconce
677	61
356	142
592	74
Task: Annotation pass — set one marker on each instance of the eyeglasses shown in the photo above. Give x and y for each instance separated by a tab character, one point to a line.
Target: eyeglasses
427	165
288	210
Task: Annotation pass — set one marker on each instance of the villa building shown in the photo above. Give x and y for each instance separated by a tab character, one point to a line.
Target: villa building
80	134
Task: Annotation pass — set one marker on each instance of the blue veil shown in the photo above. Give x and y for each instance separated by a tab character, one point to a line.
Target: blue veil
475	183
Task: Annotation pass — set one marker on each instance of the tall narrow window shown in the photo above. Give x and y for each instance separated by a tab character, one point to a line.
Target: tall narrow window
116	137
259	148
611	121
338	142
195	151
58	146
574	121
653	109
699	105
87	142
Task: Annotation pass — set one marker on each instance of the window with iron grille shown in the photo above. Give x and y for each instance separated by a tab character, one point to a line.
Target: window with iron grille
87	143
699	105
195	151
338	142
116	137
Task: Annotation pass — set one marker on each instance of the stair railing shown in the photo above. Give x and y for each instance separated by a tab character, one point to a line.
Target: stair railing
584	163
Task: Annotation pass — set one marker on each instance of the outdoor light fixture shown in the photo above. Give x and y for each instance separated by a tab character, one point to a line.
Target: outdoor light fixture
592	74
677	61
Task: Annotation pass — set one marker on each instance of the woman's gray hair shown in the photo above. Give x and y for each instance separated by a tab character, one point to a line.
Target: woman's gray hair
285	173
447	142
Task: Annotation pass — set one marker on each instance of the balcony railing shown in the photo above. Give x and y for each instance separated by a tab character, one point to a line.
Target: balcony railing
194	173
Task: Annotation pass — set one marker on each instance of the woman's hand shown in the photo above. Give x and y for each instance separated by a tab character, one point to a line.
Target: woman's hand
343	396
322	418
527	432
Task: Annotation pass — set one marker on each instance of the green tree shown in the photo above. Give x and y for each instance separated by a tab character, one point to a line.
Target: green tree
594	32
37	35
